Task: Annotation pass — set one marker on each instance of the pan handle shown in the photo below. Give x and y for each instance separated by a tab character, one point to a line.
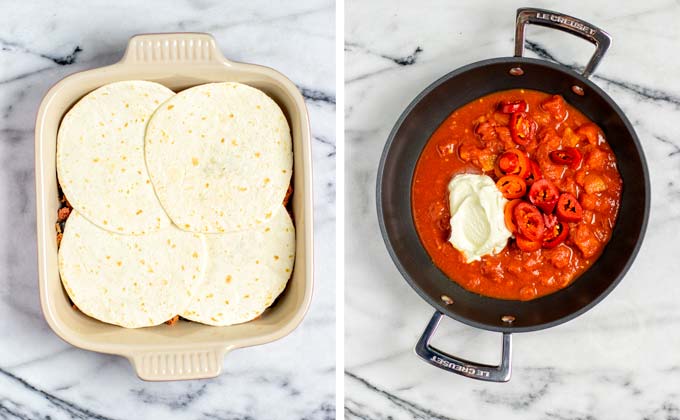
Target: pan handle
438	358
566	23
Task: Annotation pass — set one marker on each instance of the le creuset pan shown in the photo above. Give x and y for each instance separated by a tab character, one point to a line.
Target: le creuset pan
409	136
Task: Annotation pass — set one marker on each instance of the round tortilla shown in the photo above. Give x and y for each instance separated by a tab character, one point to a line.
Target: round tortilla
100	157
220	157
246	272
131	281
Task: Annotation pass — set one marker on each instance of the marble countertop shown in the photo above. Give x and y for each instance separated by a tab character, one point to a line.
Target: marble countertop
619	360
43	377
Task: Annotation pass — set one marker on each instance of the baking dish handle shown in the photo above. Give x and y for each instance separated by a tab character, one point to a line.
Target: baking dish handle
176	48
566	23
438	358
178	364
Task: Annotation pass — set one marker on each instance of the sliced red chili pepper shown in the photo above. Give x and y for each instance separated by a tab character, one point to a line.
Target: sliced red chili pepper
529	221
512	162
509	215
568	208
534	172
526	244
544	195
569	156
512	186
555	231
522	128
510	107
508	162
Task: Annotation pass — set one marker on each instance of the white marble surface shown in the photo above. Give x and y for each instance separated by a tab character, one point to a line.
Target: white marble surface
41	376
618	361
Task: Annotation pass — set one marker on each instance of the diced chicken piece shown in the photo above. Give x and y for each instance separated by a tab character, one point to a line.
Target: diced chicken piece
569	138
589	217
486	131
585	240
505	136
501	118
600	234
467	150
550	139
580	177
589	201
542	118
593	183
568	185
486	160
552	172
597	159
590	132
556	106
560	256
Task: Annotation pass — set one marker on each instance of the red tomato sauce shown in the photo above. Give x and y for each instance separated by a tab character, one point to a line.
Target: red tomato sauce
471	140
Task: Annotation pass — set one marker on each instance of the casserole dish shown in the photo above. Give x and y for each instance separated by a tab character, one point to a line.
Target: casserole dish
186	350
403	148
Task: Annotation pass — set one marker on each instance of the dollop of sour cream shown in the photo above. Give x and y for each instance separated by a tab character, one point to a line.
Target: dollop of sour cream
477	218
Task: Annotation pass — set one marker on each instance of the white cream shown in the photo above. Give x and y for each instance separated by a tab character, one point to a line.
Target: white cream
477	218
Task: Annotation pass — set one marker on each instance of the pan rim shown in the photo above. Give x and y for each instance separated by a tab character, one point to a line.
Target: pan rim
435	303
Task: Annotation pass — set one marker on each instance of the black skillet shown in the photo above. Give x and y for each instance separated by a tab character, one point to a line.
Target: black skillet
409	136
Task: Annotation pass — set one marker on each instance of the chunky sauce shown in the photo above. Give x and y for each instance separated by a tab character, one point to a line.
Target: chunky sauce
470	140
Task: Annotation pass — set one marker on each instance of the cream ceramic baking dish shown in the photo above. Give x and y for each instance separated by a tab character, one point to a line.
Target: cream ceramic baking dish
186	350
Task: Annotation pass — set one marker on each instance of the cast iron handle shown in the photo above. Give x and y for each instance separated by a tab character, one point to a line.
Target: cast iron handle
566	23
438	358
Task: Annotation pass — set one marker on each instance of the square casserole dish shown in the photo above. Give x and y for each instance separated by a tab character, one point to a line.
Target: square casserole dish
186	350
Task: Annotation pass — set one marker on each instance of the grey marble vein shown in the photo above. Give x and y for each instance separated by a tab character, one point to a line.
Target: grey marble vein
412	409
407	60
317	96
55	403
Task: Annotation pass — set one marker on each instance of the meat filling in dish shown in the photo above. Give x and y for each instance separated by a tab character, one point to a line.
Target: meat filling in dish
65	209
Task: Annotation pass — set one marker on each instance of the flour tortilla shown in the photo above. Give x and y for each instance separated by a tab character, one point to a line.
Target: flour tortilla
100	157
220	157
246	272
131	281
